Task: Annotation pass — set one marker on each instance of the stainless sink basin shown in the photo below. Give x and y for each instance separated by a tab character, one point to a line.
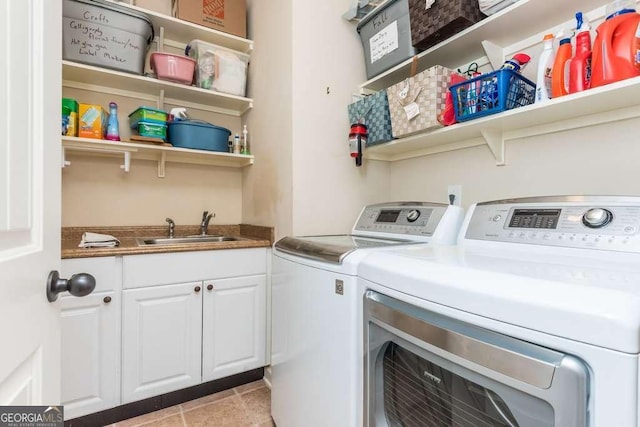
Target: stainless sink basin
185	240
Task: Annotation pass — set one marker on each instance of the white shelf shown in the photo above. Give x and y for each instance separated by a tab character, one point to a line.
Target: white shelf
614	102
179	30
508	26
161	154
88	77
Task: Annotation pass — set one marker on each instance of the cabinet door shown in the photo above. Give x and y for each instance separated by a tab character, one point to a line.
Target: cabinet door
90	353
234	326
161	339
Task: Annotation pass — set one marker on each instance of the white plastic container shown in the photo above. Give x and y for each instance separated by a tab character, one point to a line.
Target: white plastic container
105	34
220	69
545	67
489	7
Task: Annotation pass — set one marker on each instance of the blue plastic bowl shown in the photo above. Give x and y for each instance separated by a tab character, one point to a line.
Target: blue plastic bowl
198	135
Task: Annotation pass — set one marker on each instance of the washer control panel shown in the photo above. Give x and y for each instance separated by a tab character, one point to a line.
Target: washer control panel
406	218
589	222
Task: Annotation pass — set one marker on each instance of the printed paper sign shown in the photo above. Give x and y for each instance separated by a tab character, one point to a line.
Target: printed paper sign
412	110
384	42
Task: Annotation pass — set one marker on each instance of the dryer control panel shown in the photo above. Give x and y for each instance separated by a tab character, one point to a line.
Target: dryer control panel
406	219
590	222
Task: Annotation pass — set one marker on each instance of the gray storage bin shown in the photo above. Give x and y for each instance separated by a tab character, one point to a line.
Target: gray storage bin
386	36
105	34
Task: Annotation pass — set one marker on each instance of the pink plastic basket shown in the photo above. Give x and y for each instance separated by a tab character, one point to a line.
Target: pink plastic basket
175	68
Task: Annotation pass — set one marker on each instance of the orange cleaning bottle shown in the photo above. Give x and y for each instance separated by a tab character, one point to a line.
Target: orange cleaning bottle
560	72
580	66
614	47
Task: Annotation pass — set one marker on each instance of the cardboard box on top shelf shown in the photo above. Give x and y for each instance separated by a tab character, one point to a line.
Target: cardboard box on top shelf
229	16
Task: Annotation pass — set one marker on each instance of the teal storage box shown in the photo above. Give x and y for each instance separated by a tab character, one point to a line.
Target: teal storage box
148	115
198	135
373	111
152	130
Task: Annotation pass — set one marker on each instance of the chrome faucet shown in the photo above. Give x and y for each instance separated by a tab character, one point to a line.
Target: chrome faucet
206	217
172	227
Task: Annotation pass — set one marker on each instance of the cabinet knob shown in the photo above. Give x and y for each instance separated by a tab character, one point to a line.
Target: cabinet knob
107	300
197	289
209	287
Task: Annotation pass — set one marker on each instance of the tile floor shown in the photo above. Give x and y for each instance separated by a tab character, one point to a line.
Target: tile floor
243	406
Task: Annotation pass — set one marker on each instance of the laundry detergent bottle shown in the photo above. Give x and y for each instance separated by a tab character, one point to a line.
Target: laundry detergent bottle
560	72
580	66
545	67
614	47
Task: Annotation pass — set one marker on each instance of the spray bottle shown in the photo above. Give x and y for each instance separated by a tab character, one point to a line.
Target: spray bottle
545	67
560	72
580	66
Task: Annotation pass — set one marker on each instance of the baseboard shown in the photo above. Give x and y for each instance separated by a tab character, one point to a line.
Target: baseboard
267	376
141	407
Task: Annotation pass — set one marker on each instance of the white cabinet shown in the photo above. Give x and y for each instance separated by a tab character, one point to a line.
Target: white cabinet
178	335
233	326
161	339
181	319
91	340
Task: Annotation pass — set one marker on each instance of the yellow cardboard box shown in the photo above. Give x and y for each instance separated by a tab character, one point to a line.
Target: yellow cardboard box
92	121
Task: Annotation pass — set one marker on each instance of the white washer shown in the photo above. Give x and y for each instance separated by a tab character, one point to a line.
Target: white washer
317	334
533	319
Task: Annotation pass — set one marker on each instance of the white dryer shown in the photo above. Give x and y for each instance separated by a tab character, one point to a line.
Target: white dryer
532	320
316	310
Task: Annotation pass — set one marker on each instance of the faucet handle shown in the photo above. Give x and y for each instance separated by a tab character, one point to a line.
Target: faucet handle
172	226
204	215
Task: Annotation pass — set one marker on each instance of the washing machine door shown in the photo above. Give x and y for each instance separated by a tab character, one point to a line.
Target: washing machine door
425	369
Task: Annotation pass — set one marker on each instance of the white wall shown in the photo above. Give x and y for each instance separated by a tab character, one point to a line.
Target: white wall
266	189
599	159
303	180
96	192
328	190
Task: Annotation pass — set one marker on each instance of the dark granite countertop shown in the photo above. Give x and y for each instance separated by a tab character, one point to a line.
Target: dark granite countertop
253	237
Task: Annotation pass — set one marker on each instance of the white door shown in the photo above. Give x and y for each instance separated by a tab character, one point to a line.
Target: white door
161	339
234	326
30	91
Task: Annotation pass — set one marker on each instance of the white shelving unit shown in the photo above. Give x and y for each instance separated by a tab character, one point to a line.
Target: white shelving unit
177	33
605	104
81	76
160	153
489	37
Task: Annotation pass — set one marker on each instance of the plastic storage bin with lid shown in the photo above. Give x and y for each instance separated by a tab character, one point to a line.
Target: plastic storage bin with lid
199	135
220	69
105	34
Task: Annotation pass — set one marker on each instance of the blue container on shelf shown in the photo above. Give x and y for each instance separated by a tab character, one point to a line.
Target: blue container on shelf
199	135
491	93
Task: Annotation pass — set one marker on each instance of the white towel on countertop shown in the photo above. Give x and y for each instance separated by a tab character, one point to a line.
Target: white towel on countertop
96	240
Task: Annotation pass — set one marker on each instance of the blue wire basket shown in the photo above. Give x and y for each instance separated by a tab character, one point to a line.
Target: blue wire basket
491	93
